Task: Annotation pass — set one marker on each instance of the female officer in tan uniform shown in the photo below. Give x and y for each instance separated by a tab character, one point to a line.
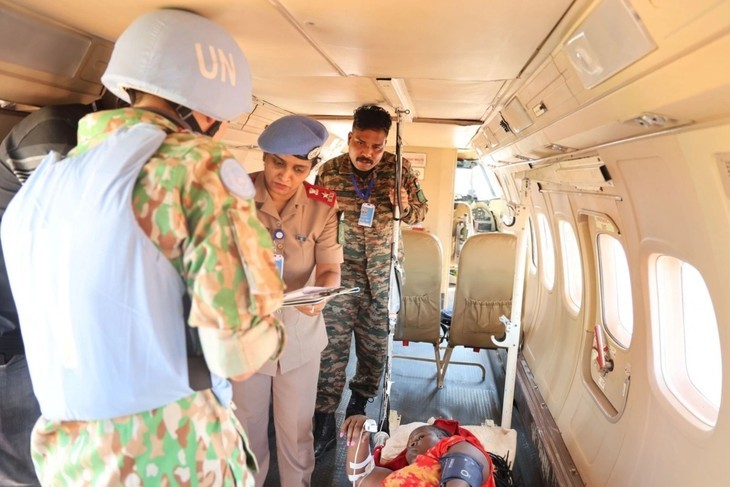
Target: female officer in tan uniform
302	220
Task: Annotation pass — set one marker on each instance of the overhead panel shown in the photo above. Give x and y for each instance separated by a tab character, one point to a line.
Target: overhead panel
454	58
516	116
54	50
465	100
333	96
439	40
57	64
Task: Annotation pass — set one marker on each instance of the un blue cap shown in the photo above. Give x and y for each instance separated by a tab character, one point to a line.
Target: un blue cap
294	134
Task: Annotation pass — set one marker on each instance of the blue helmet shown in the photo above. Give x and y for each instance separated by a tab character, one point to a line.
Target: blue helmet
184	58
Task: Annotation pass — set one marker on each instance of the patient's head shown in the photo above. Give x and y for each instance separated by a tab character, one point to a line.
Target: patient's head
423	438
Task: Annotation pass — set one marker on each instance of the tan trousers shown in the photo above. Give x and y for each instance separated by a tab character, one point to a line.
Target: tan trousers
294	395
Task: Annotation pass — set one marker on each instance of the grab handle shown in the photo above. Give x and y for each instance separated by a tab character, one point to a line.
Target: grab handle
605	363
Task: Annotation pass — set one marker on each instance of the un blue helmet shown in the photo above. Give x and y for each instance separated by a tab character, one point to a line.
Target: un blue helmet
185	59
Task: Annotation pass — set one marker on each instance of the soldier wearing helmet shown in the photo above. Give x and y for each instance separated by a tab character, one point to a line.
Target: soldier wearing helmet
148	226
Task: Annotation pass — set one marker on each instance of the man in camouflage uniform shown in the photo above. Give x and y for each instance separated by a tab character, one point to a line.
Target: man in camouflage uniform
364	180
102	246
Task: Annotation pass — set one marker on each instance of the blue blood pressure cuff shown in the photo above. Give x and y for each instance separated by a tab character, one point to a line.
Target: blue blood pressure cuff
462	467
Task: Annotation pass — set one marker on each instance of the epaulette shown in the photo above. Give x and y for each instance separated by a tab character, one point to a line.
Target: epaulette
319	193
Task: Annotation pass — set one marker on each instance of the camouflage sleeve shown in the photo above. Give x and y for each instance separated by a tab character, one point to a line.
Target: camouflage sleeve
230	272
416	197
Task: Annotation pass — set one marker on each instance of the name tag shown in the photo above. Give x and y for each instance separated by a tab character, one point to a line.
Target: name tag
279	261
367	215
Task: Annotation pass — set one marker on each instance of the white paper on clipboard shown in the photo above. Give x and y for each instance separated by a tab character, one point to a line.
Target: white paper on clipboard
314	294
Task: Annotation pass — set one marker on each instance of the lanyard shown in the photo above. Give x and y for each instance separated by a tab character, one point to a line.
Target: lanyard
364	195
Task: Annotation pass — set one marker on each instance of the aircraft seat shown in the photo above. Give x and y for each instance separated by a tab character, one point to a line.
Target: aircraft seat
483	294
419	319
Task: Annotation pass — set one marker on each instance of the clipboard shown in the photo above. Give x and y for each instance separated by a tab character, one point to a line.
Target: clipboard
314	294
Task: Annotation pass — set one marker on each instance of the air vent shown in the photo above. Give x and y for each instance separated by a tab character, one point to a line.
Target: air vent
559	148
651	120
504	125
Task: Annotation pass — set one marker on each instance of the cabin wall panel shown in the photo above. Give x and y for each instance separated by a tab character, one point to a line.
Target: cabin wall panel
595	440
598	446
546	342
565	349
538	331
673	201
694	210
532	290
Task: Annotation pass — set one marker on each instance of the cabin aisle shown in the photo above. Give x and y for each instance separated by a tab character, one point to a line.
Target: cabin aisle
416	398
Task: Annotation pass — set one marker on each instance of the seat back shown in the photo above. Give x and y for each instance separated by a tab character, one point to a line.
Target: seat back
483	290
420	316
462	211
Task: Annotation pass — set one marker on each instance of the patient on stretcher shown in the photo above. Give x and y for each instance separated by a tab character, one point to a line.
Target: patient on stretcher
442	454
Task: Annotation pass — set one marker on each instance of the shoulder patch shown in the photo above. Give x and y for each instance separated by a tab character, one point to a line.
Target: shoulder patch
236	179
319	193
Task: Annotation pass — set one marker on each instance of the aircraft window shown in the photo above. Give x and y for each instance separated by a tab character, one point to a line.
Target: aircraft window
616	300
689	342
474	183
571	265
547	251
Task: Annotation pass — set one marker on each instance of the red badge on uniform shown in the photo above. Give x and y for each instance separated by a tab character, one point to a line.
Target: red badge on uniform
319	193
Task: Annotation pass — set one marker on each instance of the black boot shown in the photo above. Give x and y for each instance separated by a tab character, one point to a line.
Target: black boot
356	405
325	433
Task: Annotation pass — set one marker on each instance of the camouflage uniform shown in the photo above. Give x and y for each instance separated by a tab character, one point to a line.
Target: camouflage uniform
367	253
182	205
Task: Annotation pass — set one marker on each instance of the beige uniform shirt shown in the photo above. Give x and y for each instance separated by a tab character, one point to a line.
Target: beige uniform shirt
309	226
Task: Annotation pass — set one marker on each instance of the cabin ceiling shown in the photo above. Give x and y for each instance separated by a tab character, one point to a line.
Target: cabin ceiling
322	58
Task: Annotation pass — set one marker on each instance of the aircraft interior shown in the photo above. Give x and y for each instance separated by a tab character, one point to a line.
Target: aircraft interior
576	159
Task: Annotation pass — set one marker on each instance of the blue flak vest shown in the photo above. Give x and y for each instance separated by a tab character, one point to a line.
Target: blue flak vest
99	305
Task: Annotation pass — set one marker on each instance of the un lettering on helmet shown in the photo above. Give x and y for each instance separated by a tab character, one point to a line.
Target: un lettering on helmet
221	64
184	58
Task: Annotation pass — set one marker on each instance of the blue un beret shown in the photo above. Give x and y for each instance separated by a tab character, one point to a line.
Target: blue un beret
294	134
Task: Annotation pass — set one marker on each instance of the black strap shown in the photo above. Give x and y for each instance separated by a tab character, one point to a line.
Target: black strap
198	371
198	374
462	467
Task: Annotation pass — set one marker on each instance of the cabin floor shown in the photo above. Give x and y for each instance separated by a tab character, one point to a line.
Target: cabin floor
415	397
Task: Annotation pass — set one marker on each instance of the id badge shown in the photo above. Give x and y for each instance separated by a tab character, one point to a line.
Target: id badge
367	215
279	261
